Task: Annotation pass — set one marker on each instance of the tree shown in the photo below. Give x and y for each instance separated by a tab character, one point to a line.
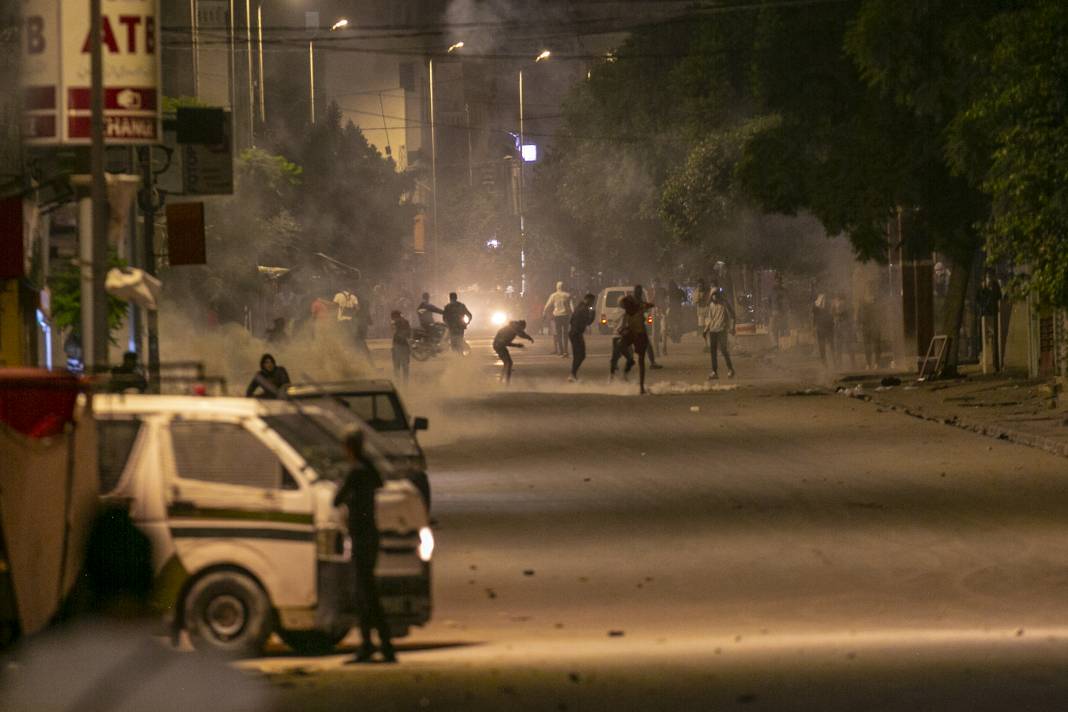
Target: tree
1012	140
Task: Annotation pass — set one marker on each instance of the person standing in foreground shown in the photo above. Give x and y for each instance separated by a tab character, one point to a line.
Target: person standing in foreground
456	316
581	319
505	338
559	307
719	319
358	495
402	349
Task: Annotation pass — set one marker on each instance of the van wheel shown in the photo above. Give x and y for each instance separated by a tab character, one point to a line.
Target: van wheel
312	642
228	613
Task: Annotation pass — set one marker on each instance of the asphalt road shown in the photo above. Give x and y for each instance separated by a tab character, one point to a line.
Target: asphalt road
717	549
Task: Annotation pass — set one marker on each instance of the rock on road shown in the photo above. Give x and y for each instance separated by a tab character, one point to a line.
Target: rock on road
733	548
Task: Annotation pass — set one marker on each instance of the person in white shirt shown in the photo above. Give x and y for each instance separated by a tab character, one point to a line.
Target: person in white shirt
719	320
346	304
559	307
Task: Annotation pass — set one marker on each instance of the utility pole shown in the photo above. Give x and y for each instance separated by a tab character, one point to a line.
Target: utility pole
148	254
94	299
434	181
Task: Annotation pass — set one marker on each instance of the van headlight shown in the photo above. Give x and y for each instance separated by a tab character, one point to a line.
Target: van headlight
426	543
499	318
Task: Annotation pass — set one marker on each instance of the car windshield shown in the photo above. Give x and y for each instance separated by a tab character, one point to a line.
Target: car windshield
317	439
612	298
381	411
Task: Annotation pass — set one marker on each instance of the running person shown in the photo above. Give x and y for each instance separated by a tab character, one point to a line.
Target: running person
505	338
581	319
632	335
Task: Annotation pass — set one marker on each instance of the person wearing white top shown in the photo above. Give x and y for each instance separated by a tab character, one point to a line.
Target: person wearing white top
559	307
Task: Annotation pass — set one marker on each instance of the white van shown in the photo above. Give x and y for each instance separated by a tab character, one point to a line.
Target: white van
608	311
236	495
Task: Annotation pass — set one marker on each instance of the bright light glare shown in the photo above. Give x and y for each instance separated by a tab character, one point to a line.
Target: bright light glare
493	243
530	152
499	318
343	22
458	45
426	543
545	54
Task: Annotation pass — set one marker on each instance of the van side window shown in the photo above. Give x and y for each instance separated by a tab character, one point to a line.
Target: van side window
115	441
223	453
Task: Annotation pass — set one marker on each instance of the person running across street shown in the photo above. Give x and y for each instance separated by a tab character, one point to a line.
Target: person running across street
358	495
559	308
402	349
632	335
719	320
639	294
581	319
504	339
456	316
271	379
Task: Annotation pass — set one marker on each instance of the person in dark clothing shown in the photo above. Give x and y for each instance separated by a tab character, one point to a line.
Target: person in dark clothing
426	311
276	334
402	349
639	294
357	493
127	376
456	316
271	379
581	319
632	335
505	338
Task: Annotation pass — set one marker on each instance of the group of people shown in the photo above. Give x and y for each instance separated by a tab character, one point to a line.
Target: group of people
836	330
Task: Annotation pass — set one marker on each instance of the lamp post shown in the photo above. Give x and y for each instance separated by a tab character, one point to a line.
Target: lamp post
338	25
434	164
542	56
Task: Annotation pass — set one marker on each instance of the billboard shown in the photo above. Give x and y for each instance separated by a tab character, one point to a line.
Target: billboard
57	73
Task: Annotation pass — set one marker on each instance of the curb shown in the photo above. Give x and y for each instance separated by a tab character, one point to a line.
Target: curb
1054	447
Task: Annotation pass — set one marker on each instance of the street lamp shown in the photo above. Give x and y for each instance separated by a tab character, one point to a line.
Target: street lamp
434	162
543	55
341	24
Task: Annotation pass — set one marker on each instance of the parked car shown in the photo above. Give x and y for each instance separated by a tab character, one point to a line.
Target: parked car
236	495
377	403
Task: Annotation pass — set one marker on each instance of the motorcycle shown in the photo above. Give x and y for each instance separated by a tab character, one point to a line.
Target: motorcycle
427	343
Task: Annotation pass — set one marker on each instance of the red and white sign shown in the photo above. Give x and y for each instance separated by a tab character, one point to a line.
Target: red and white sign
57	71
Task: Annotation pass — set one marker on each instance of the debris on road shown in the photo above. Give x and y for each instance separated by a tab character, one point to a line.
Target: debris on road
682	388
809	392
528	572
490	593
615	634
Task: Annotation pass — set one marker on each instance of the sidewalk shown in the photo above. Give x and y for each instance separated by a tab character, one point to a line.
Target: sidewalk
1031	412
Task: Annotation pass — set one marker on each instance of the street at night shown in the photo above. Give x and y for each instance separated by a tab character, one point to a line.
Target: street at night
599	550
533	355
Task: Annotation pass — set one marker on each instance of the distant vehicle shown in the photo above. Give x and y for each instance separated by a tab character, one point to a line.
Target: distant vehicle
377	403
236	495
607	309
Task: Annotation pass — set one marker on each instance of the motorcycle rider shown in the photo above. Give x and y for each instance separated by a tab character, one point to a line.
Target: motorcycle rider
426	311
456	316
504	339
